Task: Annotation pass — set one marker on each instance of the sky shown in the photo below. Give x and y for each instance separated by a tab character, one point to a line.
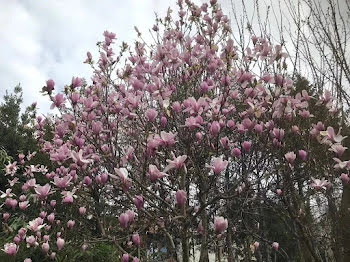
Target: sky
43	39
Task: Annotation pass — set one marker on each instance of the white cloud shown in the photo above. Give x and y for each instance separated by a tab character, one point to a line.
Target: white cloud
49	39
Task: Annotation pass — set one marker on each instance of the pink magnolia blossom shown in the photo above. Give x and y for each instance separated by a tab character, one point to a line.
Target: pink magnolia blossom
345	178
82	210
10	249
330	135
125	258
236	152
57	101
45	247
302	154
131	215
62	182
124	220
50	85
256	245
78	158
220	224
246	145
338	149
279	192
24	205
181	198
290	157
68	197
60	243
70	224
151	114
214	128
318	184
177	163
138	201
6	216
7	193
341	164
155	174
76	82
84	247
275	246
51	218
136	239
11	168
218	165
43	191
168	139
31	241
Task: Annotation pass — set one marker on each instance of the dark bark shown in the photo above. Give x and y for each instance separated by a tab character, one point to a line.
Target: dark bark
345	222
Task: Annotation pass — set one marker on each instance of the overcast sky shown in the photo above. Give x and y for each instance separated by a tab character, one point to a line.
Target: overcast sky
42	39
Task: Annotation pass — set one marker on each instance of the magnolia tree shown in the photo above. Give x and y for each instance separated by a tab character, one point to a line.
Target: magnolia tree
178	143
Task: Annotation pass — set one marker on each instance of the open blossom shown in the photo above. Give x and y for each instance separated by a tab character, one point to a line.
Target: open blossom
57	101
154	173
341	164
36	224
192	122
290	157
218	165
11	169
68	197
62	182
10	249
151	114
76	82
24	205
168	139
31	241
329	135
220	224
78	158
8	193
338	149
177	163
43	191
318	184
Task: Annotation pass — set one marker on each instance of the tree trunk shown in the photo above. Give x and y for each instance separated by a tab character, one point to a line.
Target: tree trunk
204	256
185	247
345	222
230	257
